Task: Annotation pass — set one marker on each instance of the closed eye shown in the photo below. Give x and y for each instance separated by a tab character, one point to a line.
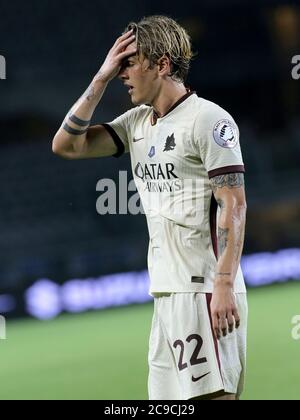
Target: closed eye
127	64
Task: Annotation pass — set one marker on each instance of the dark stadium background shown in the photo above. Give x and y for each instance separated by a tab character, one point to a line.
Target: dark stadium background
49	227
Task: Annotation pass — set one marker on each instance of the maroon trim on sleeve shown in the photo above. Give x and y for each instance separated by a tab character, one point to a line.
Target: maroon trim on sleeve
118	142
226	170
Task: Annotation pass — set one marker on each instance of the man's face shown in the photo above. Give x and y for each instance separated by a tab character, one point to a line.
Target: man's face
142	81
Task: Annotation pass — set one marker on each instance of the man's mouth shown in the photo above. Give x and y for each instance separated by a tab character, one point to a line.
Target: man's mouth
130	88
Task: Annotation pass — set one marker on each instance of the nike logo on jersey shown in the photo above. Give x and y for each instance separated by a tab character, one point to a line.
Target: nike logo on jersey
136	140
200	377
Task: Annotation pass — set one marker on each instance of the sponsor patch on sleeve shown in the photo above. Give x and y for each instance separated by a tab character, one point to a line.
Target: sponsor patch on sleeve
225	134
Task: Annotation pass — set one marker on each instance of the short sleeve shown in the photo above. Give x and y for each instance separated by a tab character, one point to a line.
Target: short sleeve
216	137
119	130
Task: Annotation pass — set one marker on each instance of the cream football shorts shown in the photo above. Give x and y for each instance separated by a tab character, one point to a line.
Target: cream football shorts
185	361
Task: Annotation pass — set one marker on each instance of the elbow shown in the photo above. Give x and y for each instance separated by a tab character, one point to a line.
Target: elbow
55	146
57	149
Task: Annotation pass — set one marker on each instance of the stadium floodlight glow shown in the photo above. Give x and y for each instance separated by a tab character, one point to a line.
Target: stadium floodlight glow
43	300
267	267
2	67
46	299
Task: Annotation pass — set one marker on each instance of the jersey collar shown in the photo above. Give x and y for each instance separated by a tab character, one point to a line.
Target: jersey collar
154	115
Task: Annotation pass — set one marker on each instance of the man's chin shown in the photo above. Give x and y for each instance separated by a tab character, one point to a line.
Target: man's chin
137	101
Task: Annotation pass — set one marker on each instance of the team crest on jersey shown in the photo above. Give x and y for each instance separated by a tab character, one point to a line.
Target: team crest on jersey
170	143
225	134
152	152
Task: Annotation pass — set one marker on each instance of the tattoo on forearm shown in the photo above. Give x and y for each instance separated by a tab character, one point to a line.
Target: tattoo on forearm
235	180
222	240
239	242
90	93
78	121
99	75
74	132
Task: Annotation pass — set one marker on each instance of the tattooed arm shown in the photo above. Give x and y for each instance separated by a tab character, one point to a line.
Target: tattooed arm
230	194
76	139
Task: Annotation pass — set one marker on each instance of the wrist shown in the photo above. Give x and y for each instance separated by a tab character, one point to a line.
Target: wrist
100	80
95	91
224	280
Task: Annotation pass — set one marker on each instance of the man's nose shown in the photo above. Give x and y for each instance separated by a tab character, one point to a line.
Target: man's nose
122	74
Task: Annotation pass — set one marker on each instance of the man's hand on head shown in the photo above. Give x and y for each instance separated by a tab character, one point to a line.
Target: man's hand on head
123	48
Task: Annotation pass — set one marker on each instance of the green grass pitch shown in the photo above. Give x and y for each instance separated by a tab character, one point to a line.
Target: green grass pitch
103	355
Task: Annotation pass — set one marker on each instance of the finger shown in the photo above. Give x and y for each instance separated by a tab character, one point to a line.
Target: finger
128	33
124	36
217	333
126	54
223	325
124	44
237	318
230	321
216	330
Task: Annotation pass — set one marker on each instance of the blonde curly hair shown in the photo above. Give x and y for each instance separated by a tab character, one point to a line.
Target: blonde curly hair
157	36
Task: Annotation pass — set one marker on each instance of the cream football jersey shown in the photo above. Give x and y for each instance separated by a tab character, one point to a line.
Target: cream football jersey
173	159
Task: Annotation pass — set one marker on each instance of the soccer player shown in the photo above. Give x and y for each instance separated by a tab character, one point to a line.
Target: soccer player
188	168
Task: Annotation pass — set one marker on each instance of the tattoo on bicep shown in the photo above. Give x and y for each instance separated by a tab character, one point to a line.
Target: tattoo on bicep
73	131
234	180
222	240
78	121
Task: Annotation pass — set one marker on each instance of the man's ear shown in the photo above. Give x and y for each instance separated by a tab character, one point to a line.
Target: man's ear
164	66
